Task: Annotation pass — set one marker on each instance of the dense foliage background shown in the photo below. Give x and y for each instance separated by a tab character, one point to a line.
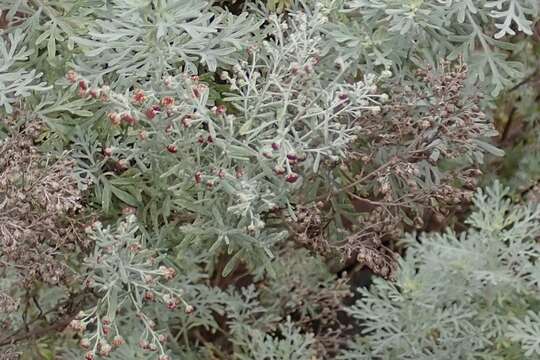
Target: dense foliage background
281	179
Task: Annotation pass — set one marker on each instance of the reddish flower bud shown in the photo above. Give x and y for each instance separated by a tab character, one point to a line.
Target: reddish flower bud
189	309
106	330
134	248
292	177
122	165
198	177
94	93
108	151
143	344
152	111
167	101
209	139
104	349
172	305
89	356
172	148
276	146
149	296
139	97
187	121
127	118
239	172
221	109
279	170
162	338
142	135
209	184
199	90
292	156
104	93
115	118
118	341
72	76
168	272
83	85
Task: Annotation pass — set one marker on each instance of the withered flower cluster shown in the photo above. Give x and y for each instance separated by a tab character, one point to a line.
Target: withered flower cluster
399	175
39	201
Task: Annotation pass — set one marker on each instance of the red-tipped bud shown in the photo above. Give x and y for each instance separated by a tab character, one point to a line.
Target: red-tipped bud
139	97
118	341
167	101
221	109
83	85
198	177
292	156
108	151
187	121
152	111
72	76
172	148
128	119
115	118
149	296
292	177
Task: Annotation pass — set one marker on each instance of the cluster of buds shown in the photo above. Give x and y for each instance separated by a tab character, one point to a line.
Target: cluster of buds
168	272
139	97
171	301
305	69
167	101
101	93
118	341
219	110
152	111
205	139
77	325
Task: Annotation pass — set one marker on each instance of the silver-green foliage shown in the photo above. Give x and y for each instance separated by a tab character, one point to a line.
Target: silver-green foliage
394	32
131	40
16	81
474	295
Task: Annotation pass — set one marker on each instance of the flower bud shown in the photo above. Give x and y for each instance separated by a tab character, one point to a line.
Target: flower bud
114	118
198	177
167	101
108	151
118	341
291	178
139	97
84	343
72	76
127	118
105	349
